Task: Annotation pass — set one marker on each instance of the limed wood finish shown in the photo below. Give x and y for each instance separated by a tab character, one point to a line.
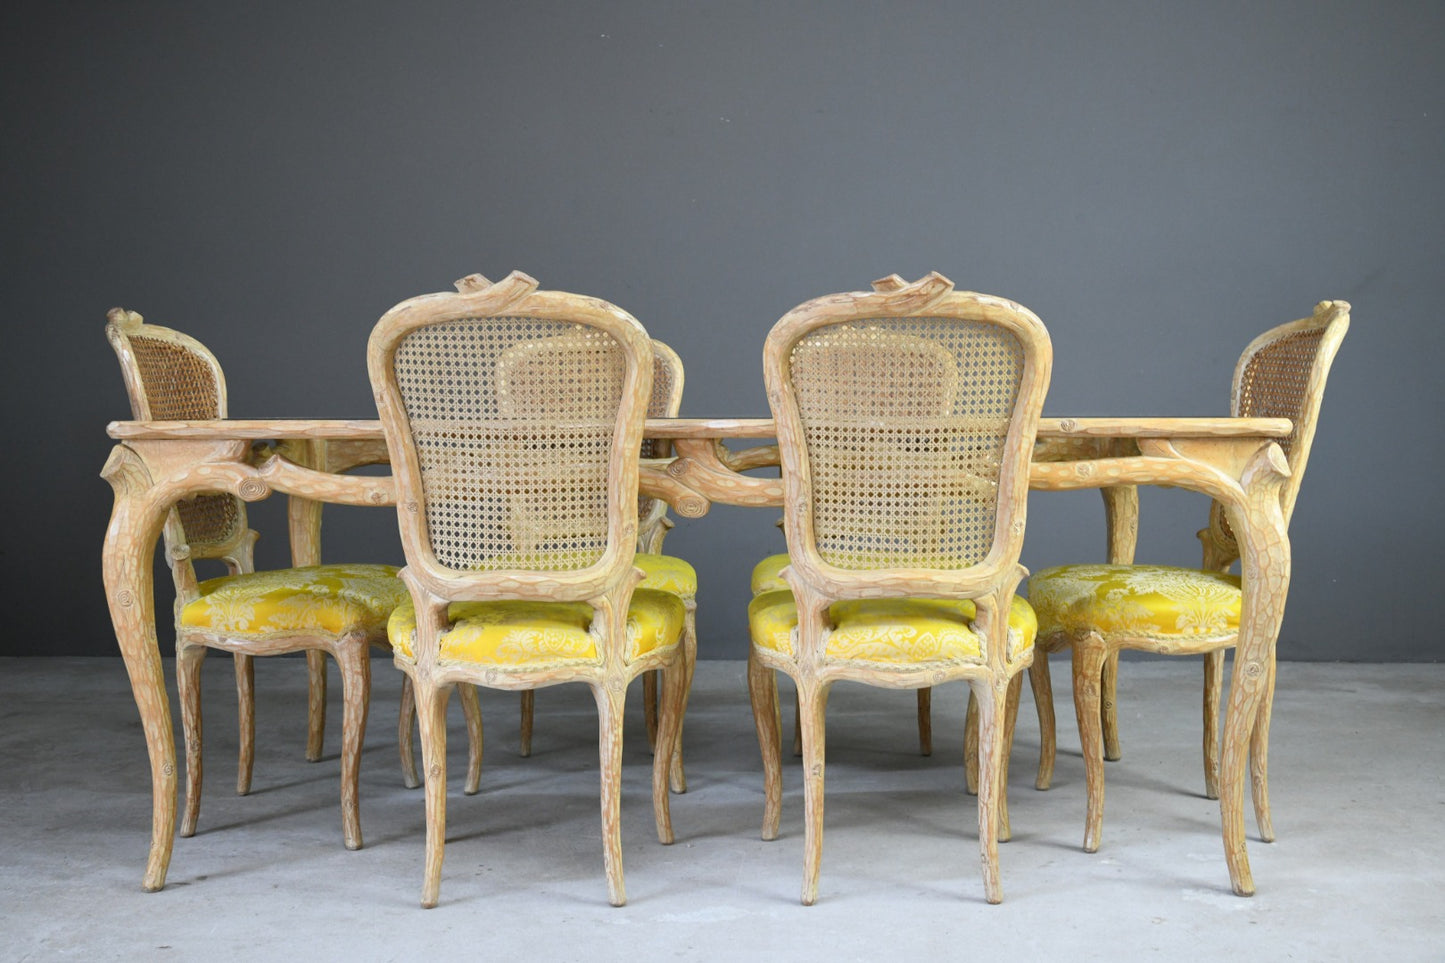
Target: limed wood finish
1282	372
817	582
434	573
168	373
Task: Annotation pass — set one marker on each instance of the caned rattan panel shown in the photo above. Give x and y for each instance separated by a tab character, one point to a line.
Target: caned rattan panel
1280	375
667	376
179	383
904	453
513	421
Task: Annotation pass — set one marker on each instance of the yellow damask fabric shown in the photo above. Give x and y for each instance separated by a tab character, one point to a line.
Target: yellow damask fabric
524	633
1152	601
667	574
331	598
896	631
768	574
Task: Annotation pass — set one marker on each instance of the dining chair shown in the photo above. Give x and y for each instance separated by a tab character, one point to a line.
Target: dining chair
665	573
905	421
513	417
1096	610
340	610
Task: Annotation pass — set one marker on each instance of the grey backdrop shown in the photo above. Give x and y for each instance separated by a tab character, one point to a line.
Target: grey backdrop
1159	182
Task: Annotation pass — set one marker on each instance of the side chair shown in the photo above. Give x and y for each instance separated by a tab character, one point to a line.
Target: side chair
906	419
1096	610
513	418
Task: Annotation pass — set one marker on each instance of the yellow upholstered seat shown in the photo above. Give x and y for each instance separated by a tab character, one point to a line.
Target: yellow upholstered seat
1146	601
904	630
667	573
525	633
768	574
333	598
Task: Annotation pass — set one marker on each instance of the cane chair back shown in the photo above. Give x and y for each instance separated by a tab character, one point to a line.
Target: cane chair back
170	376
1282	374
906	420
666	401
513	418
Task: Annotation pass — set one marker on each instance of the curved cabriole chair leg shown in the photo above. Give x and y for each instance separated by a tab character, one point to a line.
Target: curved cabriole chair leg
610	703
246	720
315	704
1043	688
431	704
1213	691
1088	667
970	746
1259	760
353	658
991	698
763	694
813	706
1109	707
674	681
405	717
1011	716
188	682
677	776
797	727
649	706
472	712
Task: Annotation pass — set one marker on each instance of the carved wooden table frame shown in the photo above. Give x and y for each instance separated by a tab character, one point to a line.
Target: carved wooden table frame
1234	460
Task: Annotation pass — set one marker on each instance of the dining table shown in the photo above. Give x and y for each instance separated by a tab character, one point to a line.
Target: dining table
1237	461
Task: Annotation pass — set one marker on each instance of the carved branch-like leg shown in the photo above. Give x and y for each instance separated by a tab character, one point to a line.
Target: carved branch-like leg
353	657
1265	565
246	719
1109	706
990	698
1213	690
649	707
472	713
528	709
925	721
970	745
1088	665
763	693
1121	518
797	727
678	777
1011	718
188	681
1259	759
813	705
610	706
130	539
431	705
1042	684
405	718
315	704
674	681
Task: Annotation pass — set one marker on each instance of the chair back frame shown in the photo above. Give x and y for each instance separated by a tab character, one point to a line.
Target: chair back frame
931	297
157	362
515	296
1256	392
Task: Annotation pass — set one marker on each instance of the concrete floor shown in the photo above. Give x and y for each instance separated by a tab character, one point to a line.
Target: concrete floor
1357	795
